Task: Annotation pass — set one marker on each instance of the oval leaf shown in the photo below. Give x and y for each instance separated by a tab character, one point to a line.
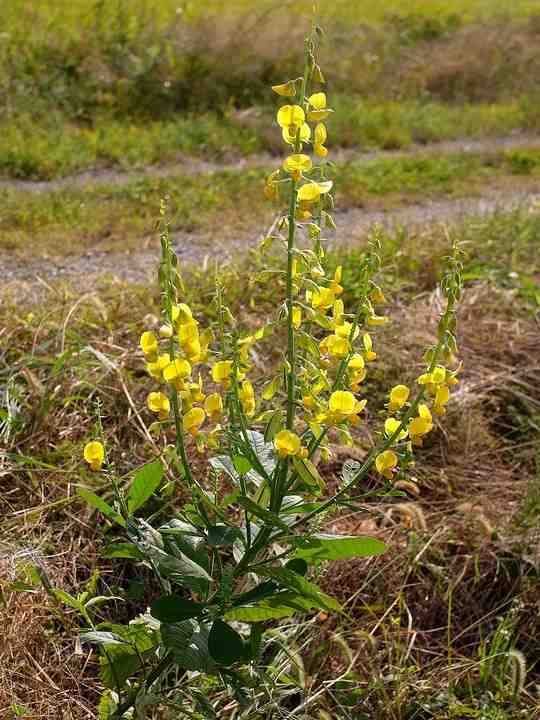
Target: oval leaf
225	644
318	548
172	609
146	480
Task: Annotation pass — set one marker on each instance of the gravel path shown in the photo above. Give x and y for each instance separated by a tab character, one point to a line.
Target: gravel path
191	166
140	266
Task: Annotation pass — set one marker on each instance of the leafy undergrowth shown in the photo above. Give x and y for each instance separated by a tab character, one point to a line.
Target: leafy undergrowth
57	148
230	203
444	625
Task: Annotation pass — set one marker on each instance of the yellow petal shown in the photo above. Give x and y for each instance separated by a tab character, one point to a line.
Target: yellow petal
317	100
287	89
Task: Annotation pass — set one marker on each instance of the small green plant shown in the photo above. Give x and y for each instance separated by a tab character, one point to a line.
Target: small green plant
232	561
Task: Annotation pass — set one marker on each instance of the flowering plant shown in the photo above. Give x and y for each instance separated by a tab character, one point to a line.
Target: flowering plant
236	555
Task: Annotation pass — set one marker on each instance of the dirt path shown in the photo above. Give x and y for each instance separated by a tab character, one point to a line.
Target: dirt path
192	166
140	266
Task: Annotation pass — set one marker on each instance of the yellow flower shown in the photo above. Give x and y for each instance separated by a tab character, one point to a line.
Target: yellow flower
398	397
368	347
386	462
149	344
322	299
155	369
297	317
213	406
319	138
344	406
335	284
346	331
312	191
247	397
287	443
192	420
291	116
421	425
377	295
318	103
159	403
221	372
357	362
442	396
297	164
94	454
289	134
176	371
287	89
390	427
335	346
376	320
181	313
271	188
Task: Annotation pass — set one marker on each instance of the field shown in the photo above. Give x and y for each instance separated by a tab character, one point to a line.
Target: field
108	107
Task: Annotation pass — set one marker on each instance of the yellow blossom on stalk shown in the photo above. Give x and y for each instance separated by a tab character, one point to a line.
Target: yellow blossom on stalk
357	371
291	116
319	138
386	462
421	425
377	320
318	103
287	443
297	317
181	313
335	345
336	281
390	427
176	371
149	345
159	403
344	406
192	420
196	390
442	396
94	454
213	406
322	298
155	369
221	372
369	354
398	397
312	191
287	89
297	164
338	310
345	330
247	397
289	134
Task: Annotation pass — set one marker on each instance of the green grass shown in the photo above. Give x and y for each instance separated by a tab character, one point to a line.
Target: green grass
226	203
61	148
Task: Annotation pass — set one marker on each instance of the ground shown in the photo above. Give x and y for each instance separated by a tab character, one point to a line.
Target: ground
435	136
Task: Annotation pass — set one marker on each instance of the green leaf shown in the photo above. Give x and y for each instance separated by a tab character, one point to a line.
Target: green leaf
188	643
146	480
273	426
223	535
122	550
99	504
297	565
301	586
101	637
259	592
308	473
264	451
317	548
268	517
225	644
241	464
173	609
259	613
